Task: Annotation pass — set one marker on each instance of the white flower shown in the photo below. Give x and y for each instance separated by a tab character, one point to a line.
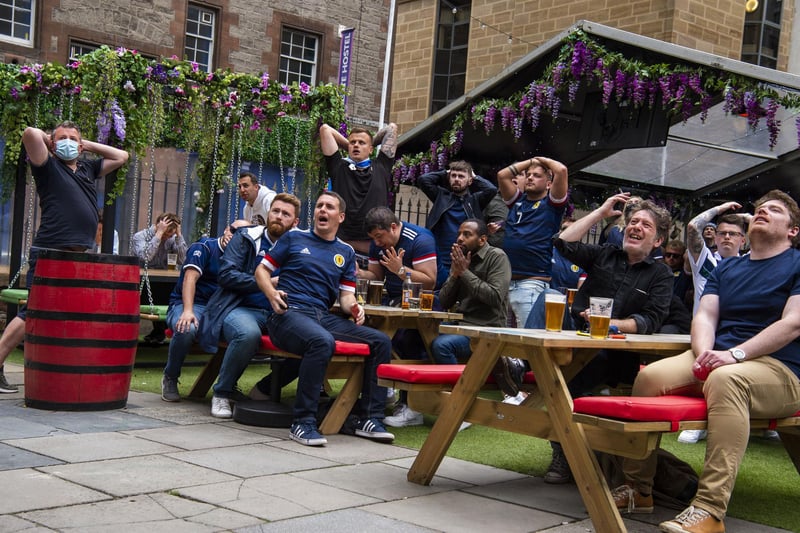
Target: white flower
198	209
129	86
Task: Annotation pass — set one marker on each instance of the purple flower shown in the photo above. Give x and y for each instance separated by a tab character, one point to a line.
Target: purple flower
489	118
195	66
118	118
14	93
620	84
285	98
608	87
459	141
573	91
773	125
304	88
505	117
264	80
797	127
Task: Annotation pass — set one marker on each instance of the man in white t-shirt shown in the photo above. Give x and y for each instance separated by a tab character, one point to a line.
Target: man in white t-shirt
257	198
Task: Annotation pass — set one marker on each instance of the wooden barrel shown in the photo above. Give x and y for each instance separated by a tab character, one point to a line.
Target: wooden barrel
81	331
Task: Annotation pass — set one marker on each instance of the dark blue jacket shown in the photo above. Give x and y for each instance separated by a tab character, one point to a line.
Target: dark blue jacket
436	186
236	280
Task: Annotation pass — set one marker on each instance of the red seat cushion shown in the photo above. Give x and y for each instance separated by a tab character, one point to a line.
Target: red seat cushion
342	348
430	374
673	409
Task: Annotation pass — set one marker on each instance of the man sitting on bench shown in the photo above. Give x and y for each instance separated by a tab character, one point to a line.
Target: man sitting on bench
315	268
187	303
238	311
745	347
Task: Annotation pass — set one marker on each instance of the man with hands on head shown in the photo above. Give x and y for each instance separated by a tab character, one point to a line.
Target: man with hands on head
65	183
745	361
316	267
363	182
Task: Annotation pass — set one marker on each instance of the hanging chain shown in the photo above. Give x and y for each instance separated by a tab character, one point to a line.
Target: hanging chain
213	168
182	201
231	169
71	101
151	142
135	203
30	190
234	180
261	153
280	155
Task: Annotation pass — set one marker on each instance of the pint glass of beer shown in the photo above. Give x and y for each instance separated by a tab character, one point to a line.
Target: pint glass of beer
599	316
554	305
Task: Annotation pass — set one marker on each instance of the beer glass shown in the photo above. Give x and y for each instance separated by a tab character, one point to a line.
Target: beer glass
554	304
599	316
362	288
375	293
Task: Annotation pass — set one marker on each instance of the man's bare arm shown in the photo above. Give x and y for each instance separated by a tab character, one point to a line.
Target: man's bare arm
694	231
387	138
330	140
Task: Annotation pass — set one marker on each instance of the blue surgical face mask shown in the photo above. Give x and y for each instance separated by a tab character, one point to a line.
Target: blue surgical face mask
67	149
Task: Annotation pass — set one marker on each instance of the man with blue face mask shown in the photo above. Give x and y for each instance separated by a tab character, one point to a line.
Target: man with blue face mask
68	199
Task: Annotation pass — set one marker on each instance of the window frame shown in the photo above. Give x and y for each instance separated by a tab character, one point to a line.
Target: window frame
443	76
287	75
28	43
197	37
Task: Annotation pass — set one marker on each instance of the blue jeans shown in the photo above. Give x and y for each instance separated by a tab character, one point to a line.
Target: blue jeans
448	349
242	329
311	333
522	295
181	343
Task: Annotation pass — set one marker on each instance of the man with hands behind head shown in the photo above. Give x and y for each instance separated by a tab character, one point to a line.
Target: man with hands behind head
65	183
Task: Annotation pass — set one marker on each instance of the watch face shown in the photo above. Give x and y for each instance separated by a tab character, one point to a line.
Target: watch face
739	355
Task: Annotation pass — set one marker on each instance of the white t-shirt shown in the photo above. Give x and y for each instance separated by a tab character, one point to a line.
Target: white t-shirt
257	213
701	269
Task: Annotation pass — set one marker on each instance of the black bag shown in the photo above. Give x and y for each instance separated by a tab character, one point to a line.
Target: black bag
674	485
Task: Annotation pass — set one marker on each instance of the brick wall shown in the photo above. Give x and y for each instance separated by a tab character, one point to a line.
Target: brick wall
248	35
714	27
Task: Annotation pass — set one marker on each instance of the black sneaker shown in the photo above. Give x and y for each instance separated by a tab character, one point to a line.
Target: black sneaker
306	433
372	428
169	389
508	373
558	473
5	386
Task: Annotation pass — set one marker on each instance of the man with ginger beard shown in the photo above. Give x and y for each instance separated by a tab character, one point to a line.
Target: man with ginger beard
238	310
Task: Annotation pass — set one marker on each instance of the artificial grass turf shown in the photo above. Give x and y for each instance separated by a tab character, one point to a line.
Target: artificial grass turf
766	489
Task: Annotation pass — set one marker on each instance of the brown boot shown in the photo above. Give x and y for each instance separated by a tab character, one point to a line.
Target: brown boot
630	501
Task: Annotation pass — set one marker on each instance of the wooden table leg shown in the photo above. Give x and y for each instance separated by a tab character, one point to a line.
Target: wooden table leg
588	476
484	355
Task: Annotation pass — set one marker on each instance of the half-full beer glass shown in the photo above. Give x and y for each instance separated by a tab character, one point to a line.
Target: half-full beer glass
599	316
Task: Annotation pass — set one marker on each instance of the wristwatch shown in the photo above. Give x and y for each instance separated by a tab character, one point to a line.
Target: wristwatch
402	271
738	354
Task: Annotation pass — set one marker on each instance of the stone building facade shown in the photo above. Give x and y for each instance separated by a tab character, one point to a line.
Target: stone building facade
247	36
502	31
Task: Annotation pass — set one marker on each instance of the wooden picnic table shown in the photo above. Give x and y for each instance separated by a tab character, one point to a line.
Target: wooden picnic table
554	357
389	319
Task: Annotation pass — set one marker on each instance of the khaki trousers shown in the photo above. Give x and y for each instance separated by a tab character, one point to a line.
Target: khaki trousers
735	393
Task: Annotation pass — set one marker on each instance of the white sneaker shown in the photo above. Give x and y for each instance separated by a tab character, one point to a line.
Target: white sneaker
515	400
221	407
692	436
403	417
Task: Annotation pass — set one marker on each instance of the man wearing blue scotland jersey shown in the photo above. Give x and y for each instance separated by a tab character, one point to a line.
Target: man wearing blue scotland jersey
535	208
316	267
187	303
398	249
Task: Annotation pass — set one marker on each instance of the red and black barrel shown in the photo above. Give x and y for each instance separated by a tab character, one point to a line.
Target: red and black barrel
81	331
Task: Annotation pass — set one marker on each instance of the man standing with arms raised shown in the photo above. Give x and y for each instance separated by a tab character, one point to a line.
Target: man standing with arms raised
362	182
315	268
67	193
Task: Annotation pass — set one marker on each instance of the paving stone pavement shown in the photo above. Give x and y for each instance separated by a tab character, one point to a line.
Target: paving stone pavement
156	466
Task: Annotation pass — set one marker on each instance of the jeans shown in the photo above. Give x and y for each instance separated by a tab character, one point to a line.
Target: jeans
448	349
522	295
311	333
758	388
181	343
242	329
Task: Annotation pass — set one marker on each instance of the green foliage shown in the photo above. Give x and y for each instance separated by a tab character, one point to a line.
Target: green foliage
121	98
